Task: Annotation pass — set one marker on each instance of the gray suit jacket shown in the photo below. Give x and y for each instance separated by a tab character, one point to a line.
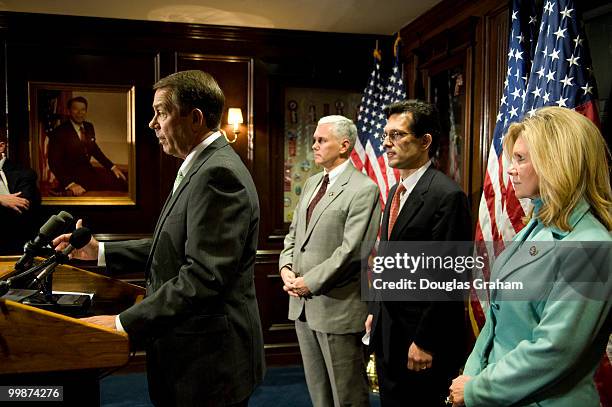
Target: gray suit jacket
328	252
199	320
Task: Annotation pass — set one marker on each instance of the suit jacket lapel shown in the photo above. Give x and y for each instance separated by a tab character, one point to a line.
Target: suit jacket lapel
330	195
172	198
11	181
413	204
163	211
522	252
384	226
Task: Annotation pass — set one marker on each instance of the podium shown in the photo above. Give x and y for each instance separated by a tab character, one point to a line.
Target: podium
43	348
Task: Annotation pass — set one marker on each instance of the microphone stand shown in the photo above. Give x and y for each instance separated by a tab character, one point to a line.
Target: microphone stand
39	292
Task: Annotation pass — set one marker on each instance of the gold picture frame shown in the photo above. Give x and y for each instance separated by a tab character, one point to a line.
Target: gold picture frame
83	135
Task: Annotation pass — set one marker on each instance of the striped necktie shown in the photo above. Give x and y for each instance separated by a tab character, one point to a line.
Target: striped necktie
395	208
317	198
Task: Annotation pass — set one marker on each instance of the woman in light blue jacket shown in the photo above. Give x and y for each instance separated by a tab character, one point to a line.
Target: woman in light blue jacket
544	350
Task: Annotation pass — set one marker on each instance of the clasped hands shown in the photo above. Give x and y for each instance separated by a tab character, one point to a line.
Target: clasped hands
293	285
457	390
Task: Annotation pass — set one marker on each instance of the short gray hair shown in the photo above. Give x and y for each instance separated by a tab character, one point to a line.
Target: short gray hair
342	128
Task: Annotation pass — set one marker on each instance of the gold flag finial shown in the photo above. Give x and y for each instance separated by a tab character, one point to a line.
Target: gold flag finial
396	45
377	53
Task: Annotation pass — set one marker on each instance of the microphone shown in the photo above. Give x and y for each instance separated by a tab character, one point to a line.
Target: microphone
47	251
52	228
69	219
78	240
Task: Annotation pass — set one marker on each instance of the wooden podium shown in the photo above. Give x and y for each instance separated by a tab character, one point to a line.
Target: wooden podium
38	347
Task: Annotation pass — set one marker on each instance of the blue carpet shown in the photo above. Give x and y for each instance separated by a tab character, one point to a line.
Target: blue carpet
282	386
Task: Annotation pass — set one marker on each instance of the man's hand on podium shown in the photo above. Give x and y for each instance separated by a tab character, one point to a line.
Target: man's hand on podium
107	321
88	252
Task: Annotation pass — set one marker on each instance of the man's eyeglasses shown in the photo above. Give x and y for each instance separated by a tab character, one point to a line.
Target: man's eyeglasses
394	135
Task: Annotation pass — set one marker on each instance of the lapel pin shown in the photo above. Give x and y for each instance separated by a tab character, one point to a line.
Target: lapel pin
533	250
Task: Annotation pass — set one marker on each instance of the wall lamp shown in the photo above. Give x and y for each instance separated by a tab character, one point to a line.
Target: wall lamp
234	117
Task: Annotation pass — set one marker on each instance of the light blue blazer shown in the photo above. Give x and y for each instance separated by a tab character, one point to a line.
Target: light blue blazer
544	351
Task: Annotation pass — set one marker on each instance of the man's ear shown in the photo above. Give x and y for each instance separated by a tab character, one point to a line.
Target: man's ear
344	146
197	118
426	141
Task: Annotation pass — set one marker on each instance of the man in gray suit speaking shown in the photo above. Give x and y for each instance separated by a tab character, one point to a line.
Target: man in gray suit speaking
338	212
199	321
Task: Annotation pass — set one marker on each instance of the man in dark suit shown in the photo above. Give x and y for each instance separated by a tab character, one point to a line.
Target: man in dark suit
419	346
71	146
19	202
199	320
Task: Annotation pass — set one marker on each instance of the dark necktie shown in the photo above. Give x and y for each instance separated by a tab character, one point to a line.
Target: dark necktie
82	133
395	207
317	198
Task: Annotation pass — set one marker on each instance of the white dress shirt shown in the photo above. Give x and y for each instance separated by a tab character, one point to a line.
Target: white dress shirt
411	181
333	176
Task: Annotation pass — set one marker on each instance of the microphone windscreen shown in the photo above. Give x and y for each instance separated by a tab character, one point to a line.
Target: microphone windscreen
80	238
53	227
68	218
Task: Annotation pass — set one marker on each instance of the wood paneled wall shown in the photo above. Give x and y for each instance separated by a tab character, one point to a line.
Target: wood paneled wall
253	66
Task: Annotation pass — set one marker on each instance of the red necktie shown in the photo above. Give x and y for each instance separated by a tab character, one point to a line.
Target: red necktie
395	208
82	133
317	198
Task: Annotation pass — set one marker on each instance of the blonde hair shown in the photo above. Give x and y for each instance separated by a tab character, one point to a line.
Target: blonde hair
570	157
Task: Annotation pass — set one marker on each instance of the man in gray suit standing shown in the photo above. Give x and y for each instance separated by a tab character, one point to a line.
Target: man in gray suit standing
199	321
339	212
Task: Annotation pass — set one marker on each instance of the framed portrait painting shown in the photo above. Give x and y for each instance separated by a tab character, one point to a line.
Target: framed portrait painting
82	143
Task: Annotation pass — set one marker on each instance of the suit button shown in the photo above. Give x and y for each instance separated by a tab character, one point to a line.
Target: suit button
495	306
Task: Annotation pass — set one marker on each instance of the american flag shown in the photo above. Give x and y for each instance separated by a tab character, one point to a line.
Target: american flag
368	155
556	72
561	74
500	212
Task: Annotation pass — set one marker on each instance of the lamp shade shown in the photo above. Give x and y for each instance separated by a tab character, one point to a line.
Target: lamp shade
234	115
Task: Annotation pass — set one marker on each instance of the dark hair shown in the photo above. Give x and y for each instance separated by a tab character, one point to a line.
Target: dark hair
424	120
77	99
195	90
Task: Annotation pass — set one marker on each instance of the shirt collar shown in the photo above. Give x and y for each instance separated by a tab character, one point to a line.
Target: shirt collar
411	180
77	127
335	173
188	163
2	161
